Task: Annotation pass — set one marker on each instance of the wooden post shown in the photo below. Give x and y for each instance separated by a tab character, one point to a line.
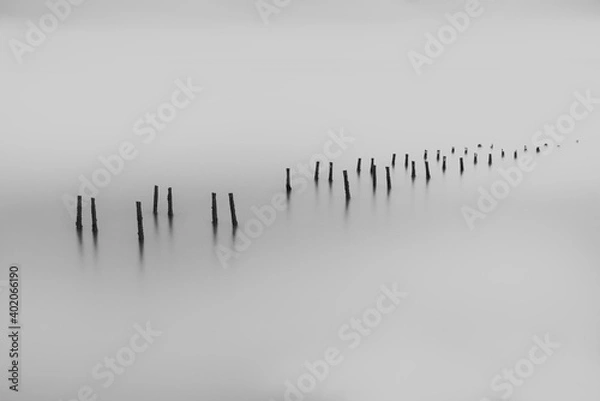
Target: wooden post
155	207
347	185
444	164
490	159
372	164
374	175
452	149
537	150
502	153
462	165
479	145
388	178
215	217
525	148
318	164
94	220
288	180
170	201
359	165
406	161
425	155
394	160
475	158
414	171
79	223
437	158
427	172
140	221
234	221
466	151
330	172
515	154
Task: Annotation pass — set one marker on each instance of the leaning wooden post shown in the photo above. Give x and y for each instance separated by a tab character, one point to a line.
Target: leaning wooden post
215	217
444	164
288	180
388	178
427	172
318	164
347	185
170	201
78	223
234	221
413	174
155	207
394	160
406	161
330	172
462	165
140	221
358	165
94	220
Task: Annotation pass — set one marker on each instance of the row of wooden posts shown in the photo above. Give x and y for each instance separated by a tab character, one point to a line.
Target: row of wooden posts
234	221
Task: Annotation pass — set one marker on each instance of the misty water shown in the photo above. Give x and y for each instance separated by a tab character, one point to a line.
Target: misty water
241	330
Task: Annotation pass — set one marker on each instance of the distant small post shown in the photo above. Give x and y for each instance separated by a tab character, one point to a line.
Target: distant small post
444	164
372	164
489	159
502	153
466	151
330	172
413	174
140	223
388	178
359	165
462	165
347	185
515	154
170	201
406	161
288	180
215	217
234	220
94	220
318	164
79	223
155	206
475	158
452	149
393	160
437	157
537	150
427	172
425	155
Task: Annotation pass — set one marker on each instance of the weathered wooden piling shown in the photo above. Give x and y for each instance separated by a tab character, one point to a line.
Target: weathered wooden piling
437	157
388	177
489	159
425	155
330	171
406	161
372	165
317	166
215	217
515	154
94	219
466	151
374	176
444	164
170	201
155	206
537	150
358	165
234	220
502	154
462	165
288	180
78	222
393	160
346	185
140	223
414	171
475	158
452	149
427	172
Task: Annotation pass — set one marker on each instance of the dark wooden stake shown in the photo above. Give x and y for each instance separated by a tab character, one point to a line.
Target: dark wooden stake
215	217
288	180
78	223
170	201
359	165
414	170
515	154
372	165
503	153
490	159
444	164
462	165
452	149
155	207
525	148
347	185
427	172
318	164
374	176
394	160
94	220
437	158
475	158
140	223
466	151
330	171
234	221
388	177
425	155
406	161
537	150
